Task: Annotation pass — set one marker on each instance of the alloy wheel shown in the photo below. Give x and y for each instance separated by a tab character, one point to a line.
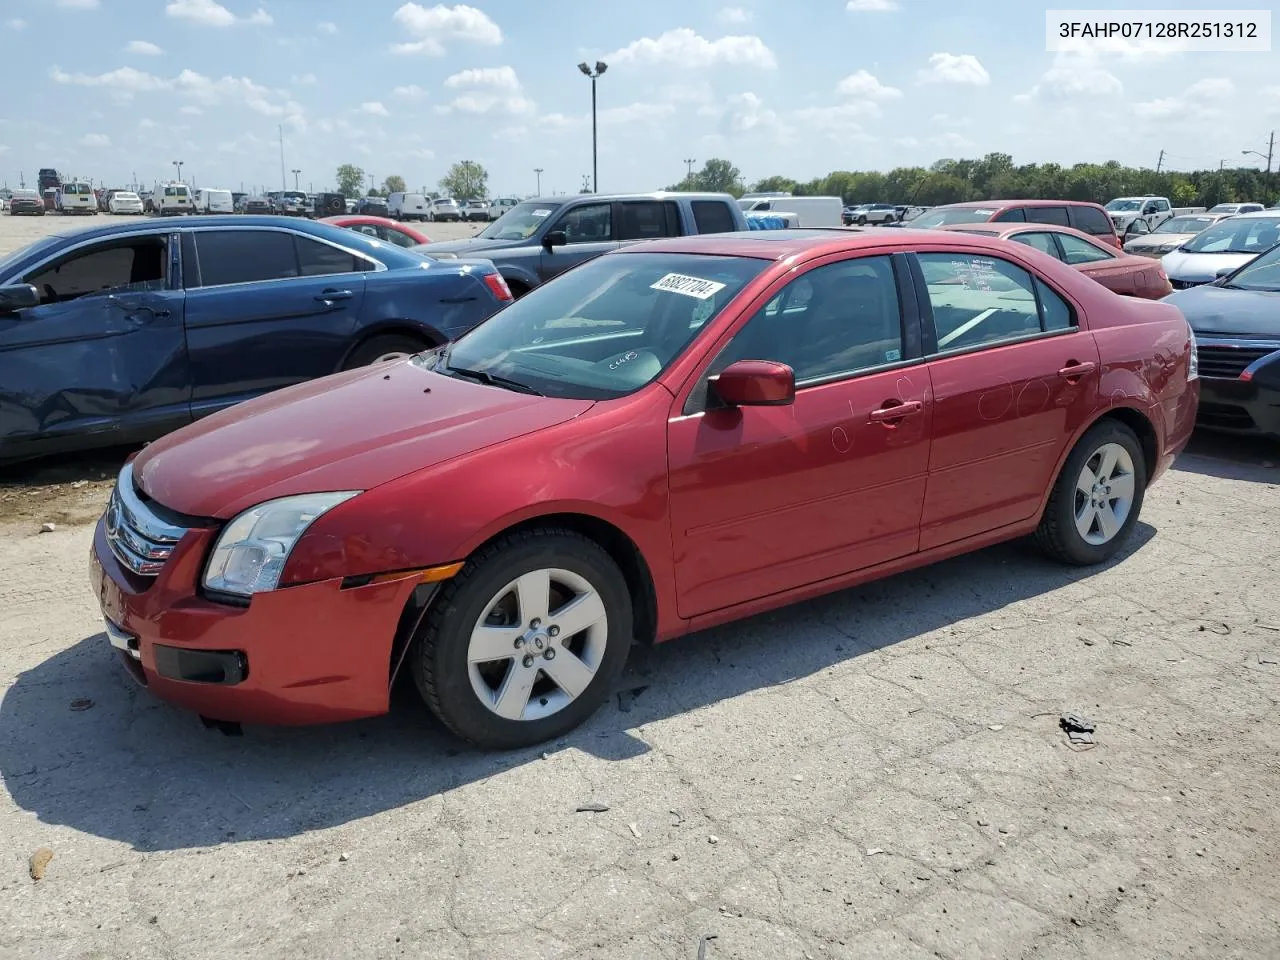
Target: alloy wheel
1104	494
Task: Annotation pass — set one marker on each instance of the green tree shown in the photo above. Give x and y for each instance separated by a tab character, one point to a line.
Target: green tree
466	180
394	184
720	176
774	184
350	180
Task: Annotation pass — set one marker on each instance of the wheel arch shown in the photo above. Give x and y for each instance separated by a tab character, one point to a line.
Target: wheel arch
393	327
1133	418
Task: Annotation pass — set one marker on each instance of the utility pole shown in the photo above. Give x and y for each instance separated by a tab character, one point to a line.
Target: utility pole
593	75
284	184
688	164
296	172
1160	162
538	172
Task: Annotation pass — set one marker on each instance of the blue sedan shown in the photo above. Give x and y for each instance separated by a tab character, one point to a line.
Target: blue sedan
118	334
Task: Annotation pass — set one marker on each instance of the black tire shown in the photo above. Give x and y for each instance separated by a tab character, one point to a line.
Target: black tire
862	221
369	351
1057	535
438	659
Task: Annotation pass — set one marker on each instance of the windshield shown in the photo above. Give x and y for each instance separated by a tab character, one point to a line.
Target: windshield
1260	274
1225	208
1120	206
604	329
1237	235
520	222
126	196
25	195
945	215
1185	224
293	195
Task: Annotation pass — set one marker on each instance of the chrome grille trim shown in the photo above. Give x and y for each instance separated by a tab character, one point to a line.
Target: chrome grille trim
139	539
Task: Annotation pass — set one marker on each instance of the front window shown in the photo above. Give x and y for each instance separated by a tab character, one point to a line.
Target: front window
1252	235
1124	206
1185	224
601	330
943	216
590	223
1261	274
1076	251
520	222
137	264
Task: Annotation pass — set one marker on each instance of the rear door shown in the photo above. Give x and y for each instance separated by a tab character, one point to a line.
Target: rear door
589	232
1013	378
266	308
103	353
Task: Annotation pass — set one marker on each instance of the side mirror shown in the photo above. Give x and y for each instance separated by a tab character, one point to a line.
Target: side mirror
18	296
756	383
554	238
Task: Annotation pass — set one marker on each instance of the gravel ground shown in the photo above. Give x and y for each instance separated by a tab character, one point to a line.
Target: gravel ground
879	773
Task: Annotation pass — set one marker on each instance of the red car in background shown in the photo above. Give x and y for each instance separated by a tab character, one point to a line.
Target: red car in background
674	435
382	228
1089	218
1124	273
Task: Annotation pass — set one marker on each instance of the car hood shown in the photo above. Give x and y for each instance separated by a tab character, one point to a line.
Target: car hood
349	431
1222	312
1201	267
1159	240
475	246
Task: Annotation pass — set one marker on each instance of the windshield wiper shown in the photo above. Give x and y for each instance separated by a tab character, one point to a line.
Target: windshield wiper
492	379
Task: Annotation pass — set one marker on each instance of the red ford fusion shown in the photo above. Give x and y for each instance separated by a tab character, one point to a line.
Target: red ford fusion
381	228
671	436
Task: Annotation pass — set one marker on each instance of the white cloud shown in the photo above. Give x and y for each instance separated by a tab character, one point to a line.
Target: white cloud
327	26
210	13
962	68
374	108
684	48
907	142
191	111
842	120
16	24
499	78
871	6
946	120
412	92
303	80
432	26
78	4
747	112
951	141
865	86
482	102
1202	102
125	79
1073	75
146	123
143	48
735	15
95	140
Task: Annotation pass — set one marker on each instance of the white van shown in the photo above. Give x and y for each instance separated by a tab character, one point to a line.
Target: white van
172	198
214	201
408	206
75	196
808	211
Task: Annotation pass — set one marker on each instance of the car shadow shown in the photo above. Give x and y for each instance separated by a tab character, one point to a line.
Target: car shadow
1254	459
82	745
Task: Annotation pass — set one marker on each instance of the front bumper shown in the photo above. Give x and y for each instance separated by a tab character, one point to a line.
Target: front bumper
315	653
1239	406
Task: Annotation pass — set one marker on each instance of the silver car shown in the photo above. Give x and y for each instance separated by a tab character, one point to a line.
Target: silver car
1171	234
1226	245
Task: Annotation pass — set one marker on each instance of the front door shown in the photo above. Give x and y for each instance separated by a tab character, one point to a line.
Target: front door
588	231
766	499
266	308
1013	377
102	356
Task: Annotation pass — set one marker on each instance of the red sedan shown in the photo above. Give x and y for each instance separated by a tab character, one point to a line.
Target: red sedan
674	435
1124	273
391	231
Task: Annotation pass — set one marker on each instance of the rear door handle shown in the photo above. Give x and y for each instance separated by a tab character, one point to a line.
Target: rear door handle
1074	370
333	296
895	411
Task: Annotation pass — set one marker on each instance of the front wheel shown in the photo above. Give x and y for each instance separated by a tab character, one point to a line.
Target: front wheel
1096	500
383	350
527	641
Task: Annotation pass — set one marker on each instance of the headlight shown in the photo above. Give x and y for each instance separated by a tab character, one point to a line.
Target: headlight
1193	365
252	549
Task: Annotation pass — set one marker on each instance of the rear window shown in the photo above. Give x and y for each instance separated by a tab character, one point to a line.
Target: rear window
1012	215
1090	220
647	219
943	216
1054	215
319	259
713	216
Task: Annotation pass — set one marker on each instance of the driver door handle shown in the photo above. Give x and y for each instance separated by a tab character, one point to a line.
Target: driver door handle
331	297
897	411
1074	370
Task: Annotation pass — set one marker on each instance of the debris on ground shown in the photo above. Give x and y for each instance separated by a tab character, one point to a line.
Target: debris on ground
702	945
39	862
1262	659
713	839
593	808
872	851
627	697
77	484
48	527
81	703
679	817
1078	729
635	830
1221	629
997	727
344	857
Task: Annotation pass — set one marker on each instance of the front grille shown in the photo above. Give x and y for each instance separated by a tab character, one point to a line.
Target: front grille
1224	416
140	540
1224	362
1186	284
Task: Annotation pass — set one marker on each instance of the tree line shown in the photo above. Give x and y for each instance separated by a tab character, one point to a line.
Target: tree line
466	180
996	177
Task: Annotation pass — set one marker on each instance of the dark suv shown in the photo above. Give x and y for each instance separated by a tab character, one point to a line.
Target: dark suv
1088	218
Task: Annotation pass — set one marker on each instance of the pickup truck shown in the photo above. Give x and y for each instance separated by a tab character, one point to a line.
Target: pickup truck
537	239
1152	210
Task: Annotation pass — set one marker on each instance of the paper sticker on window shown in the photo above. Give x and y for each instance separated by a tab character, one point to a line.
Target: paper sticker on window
541	213
688	286
891	355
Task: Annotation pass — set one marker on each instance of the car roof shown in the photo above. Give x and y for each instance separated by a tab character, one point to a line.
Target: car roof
655	195
1254	214
781	244
1002	228
215	220
1005	204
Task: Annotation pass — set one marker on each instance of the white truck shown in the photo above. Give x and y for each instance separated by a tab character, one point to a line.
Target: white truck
209	200
1151	210
797	211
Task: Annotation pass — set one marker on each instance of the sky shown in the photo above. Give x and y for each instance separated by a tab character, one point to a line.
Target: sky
118	89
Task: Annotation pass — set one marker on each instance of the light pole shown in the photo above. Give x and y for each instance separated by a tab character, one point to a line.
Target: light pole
688	163
1271	147
538	172
295	171
178	164
594	75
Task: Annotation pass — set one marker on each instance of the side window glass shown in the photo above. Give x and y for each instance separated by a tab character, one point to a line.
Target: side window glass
396	237
977	299
319	259
140	265
591	223
1055	215
1080	251
1014	215
646	220
245	256
1162	206
1040	241
833	321
713	216
1091	220
1057	315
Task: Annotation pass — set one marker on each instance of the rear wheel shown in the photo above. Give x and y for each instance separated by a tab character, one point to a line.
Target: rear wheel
527	641
384	349
1097	498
